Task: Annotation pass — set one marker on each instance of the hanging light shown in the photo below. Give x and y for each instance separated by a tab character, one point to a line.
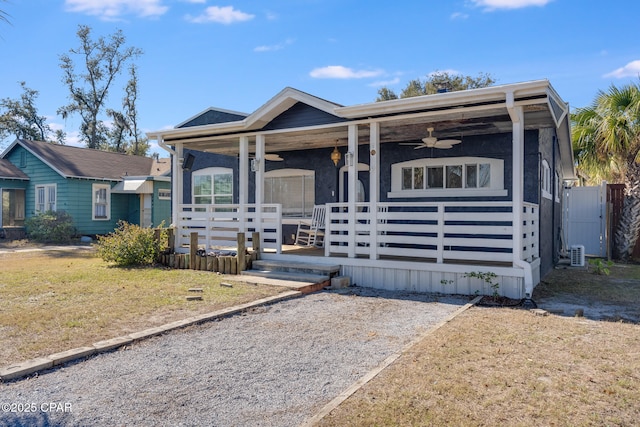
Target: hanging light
335	154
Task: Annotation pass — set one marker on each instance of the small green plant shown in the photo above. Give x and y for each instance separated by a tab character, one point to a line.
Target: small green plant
489	278
446	282
600	267
50	227
130	245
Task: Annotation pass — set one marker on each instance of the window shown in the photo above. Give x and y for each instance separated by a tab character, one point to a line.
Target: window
465	176
45	198
294	189
164	194
101	202
545	180
212	186
13	208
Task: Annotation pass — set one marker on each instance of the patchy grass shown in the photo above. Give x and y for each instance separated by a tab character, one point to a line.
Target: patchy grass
509	367
54	301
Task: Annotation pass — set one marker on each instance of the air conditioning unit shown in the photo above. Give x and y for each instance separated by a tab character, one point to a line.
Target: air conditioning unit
577	256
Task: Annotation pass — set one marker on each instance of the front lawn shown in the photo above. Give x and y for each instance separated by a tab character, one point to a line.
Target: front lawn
55	301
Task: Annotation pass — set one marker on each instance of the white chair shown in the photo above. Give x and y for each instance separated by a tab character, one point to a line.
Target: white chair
311	232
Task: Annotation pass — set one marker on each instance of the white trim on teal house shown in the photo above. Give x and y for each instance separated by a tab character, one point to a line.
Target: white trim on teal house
97	188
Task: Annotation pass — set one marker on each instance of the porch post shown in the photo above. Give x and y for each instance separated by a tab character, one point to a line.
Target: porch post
259	181
352	148
517	190
176	189
374	187
243	191
517	179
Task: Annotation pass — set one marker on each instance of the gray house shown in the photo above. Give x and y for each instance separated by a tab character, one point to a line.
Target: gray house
416	192
97	188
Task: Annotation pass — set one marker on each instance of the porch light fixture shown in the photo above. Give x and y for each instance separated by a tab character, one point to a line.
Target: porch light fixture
348	158
255	165
335	154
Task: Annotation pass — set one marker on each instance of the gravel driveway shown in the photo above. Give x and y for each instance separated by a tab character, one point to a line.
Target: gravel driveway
271	366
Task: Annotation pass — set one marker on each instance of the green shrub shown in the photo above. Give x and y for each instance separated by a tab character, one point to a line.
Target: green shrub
50	227
130	245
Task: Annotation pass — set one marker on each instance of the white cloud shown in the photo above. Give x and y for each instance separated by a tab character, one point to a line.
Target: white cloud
384	83
271	48
220	15
340	72
632	69
449	71
490	5
458	16
112	9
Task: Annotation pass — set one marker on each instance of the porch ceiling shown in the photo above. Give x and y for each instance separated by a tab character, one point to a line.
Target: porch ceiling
451	123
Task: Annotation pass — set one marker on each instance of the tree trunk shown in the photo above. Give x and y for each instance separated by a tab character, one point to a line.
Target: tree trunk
627	233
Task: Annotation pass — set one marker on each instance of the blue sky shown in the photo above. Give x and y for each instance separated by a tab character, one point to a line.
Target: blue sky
237	54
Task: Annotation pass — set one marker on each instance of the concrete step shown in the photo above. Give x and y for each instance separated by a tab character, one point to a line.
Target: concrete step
296	267
287	275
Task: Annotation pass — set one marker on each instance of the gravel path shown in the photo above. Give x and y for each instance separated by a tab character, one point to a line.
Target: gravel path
272	366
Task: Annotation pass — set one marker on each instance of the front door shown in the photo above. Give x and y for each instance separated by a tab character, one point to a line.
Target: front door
363	180
145	210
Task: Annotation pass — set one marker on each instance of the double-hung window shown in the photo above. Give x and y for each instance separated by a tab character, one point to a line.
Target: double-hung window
212	186
45	198
101	202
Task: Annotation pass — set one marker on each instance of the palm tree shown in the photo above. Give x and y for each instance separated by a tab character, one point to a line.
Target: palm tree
606	141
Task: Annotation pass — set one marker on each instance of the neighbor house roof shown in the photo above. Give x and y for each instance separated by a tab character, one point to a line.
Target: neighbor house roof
9	171
76	162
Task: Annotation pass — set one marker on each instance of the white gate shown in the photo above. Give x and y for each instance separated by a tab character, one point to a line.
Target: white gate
585	218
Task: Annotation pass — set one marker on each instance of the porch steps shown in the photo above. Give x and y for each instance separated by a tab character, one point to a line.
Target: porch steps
301	276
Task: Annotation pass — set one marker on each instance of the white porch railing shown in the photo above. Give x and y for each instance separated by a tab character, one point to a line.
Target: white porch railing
218	225
460	231
447	231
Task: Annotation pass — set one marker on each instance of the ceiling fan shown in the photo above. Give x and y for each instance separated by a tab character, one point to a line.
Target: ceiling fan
433	142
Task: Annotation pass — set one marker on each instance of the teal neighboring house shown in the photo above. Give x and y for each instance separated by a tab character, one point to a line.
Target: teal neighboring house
97	188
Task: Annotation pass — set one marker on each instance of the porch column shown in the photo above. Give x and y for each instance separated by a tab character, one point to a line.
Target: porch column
243	190
177	187
517	179
259	166
352	166
374	186
517	190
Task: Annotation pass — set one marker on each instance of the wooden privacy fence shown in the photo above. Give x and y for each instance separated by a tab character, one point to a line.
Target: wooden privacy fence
222	261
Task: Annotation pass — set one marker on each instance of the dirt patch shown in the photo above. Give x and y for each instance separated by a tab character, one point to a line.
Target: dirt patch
578	291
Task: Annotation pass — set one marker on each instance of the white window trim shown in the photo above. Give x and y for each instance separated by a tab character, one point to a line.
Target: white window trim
496	180
546	180
164	194
210	172
94	189
46	188
558	186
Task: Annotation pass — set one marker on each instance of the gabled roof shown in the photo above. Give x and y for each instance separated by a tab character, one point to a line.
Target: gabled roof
76	162
277	105
211	116
9	171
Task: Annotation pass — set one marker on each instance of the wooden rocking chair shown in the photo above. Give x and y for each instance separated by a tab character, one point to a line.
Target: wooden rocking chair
311	232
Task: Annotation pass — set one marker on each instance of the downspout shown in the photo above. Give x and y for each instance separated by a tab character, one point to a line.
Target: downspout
517	190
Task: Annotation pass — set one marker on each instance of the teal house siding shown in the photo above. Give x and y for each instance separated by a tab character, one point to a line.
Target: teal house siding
161	208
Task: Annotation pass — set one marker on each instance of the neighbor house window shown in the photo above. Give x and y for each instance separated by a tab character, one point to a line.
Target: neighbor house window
294	189
101	202
465	176
164	194
212	186
13	208
45	198
546	180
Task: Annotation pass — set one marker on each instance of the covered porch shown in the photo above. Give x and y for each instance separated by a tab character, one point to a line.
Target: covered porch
397	236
